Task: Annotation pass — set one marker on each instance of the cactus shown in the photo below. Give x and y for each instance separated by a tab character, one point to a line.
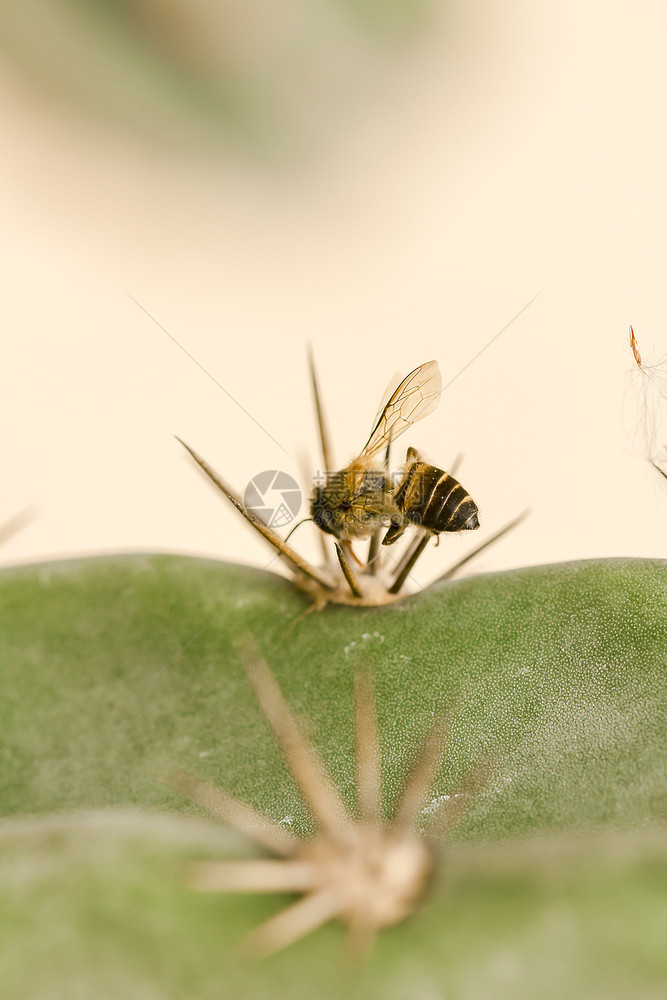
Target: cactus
552	882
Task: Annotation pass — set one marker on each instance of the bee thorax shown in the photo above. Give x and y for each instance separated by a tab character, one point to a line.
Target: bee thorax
352	503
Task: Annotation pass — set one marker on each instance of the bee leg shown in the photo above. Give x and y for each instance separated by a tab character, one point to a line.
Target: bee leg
351	554
394	531
347	570
393	534
408	563
373	560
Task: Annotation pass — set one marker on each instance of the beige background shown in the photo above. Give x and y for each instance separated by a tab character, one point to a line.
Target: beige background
511	151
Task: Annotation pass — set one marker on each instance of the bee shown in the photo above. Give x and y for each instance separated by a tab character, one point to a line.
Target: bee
354	502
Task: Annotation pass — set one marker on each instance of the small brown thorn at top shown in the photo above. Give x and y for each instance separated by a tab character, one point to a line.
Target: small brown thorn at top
635	348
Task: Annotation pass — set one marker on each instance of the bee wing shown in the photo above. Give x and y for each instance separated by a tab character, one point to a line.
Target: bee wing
415	397
386	396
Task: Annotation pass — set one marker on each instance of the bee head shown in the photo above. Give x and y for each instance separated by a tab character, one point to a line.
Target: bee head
349	504
329	512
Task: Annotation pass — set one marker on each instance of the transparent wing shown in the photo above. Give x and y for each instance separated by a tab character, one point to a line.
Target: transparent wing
416	396
386	396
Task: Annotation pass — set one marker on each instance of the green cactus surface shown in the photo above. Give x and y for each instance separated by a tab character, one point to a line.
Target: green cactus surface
116	671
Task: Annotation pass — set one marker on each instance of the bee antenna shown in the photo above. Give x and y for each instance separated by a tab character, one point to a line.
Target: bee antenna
297	525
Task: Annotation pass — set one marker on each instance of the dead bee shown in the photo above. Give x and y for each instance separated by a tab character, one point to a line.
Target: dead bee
363	497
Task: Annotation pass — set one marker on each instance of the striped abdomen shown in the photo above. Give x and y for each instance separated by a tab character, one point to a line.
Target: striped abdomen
432	499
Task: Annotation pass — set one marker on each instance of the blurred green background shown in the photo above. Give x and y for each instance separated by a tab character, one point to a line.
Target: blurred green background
209	72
